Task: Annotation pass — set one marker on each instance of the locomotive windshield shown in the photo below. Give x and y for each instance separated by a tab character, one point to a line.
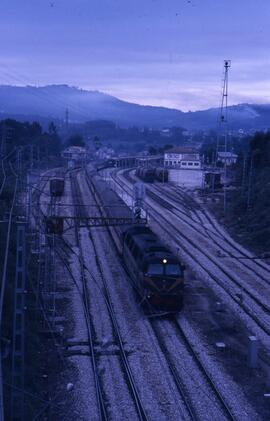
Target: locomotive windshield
173	269
155	269
169	269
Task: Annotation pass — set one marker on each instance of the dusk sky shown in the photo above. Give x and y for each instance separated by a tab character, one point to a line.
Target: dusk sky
157	52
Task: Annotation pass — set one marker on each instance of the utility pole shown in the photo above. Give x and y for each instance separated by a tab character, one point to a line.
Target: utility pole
31	156
250	177
67	118
38	156
19	168
3	139
17	373
138	198
223	127
244	174
50	281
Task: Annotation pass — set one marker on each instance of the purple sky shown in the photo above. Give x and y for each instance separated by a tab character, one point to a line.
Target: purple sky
159	52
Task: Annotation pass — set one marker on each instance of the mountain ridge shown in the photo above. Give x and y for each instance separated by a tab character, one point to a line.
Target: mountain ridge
51	102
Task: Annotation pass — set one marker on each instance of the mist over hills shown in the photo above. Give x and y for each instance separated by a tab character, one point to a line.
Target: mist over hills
51	102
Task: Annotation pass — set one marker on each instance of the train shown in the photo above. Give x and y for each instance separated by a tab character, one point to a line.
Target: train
156	273
149	175
145	174
108	163
57	185
161	174
213	180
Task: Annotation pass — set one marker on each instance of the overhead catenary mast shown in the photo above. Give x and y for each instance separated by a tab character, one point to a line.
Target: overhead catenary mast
222	137
67	118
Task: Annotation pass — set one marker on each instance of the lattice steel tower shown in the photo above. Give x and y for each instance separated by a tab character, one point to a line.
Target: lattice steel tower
222	136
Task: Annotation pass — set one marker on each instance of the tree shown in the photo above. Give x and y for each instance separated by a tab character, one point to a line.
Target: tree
52	129
75	140
152	150
260	146
165	148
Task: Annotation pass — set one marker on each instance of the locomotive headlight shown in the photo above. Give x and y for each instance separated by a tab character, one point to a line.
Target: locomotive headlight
164	261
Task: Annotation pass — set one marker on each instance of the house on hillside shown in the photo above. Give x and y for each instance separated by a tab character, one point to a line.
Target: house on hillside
105	153
75	155
229	158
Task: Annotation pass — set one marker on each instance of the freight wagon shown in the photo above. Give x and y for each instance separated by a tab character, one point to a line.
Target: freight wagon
213	180
146	174
57	186
161	174
54	225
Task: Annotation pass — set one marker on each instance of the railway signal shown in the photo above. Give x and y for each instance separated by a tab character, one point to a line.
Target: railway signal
222	145
138	198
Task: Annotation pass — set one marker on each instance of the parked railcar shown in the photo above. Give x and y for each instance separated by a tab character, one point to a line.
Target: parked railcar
54	225
156	272
108	163
138	171
161	174
213	180
57	186
146	174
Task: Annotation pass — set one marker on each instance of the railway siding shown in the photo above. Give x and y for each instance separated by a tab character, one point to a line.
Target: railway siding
251	310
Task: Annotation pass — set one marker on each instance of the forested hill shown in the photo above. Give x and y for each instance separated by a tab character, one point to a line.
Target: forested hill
51	102
250	206
16	134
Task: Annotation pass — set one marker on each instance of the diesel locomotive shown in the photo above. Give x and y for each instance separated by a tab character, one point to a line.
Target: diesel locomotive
156	272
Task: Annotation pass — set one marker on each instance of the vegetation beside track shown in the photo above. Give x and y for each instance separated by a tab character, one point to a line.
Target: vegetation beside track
247	213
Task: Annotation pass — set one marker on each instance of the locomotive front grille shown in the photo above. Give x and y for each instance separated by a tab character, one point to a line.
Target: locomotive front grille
163	285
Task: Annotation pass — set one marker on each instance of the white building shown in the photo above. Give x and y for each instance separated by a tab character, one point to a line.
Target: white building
181	157
105	153
190	179
166	133
75	155
229	158
75	152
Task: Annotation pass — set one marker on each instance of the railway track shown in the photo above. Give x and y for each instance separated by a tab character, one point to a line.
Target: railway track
90	328
63	251
216	232
219	407
214	398
208	393
170	228
257	283
160	331
194	211
262	282
104	287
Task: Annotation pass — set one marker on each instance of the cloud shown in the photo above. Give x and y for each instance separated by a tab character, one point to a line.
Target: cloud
140	51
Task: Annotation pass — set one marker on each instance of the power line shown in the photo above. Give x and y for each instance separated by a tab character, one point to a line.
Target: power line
49	97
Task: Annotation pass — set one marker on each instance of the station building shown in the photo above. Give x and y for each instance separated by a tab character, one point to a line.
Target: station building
184	167
75	155
181	157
